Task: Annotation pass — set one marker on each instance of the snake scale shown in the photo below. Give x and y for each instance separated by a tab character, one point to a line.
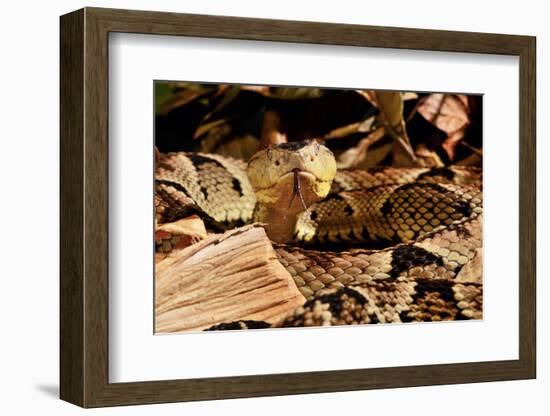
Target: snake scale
427	221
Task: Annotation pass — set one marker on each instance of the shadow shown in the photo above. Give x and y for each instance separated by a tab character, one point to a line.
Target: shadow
51	390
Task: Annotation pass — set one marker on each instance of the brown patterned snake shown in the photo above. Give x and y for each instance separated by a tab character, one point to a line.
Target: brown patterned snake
428	219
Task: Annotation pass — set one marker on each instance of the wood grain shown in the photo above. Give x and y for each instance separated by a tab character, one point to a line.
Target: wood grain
225	278
71	216
84	206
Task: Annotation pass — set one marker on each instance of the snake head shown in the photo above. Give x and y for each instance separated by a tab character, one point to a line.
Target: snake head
292	176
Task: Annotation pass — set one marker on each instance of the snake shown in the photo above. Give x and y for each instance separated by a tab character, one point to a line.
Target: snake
364	246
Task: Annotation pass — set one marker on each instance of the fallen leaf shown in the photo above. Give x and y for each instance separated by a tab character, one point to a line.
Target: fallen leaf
428	158
260	89
170	96
390	105
368	95
229	94
204	128
472	160
356	157
475	159
271	129
364	126
449	113
293	93
409	96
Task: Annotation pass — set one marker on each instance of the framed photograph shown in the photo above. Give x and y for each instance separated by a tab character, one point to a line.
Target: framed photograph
255	207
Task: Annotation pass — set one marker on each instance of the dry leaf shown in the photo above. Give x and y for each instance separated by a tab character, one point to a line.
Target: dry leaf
173	95
428	158
409	96
264	90
390	105
180	99
229	94
368	95
271	130
449	113
355	157
364	126
475	159
472	160
205	128
293	93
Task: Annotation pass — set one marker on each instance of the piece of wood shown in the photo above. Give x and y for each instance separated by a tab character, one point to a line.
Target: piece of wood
224	278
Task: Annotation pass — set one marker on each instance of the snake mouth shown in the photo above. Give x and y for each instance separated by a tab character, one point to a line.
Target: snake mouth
300	188
297	190
293	192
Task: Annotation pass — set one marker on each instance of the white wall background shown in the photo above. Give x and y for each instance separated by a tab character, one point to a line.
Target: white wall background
29	208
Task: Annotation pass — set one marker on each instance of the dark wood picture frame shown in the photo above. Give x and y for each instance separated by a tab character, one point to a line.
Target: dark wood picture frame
84	207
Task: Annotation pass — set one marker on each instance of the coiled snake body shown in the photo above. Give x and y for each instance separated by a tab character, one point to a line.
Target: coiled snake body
429	221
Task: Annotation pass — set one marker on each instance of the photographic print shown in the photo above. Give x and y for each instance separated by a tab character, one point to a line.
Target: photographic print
283	207
288	206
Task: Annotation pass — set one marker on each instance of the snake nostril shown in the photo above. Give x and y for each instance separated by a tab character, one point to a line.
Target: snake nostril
277	163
